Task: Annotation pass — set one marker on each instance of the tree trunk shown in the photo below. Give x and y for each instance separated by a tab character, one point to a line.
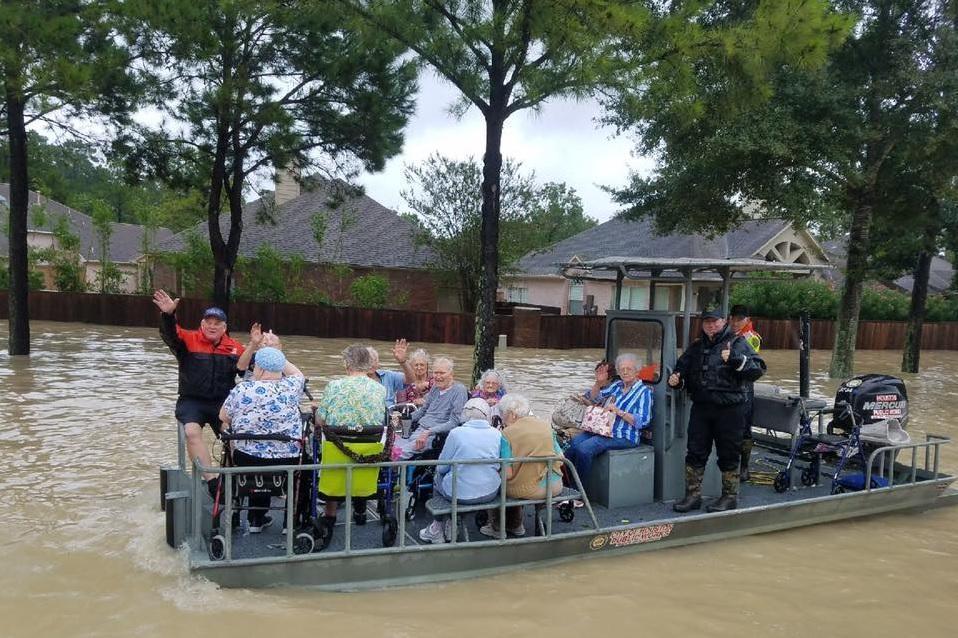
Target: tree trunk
916	312
843	354
485	353
222	271
18	299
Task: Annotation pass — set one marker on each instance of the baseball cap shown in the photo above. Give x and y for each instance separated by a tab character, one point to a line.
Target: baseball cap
711	314
213	311
739	310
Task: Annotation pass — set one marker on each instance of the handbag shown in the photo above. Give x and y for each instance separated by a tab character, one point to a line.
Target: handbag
569	413
598	421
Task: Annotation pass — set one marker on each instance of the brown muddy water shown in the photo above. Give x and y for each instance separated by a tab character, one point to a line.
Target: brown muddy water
86	421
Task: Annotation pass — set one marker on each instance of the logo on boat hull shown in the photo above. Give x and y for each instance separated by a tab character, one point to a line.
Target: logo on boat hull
633	536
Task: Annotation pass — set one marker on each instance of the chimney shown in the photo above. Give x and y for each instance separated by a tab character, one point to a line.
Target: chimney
287	185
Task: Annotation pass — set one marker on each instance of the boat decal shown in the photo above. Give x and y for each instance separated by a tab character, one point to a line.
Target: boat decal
634	536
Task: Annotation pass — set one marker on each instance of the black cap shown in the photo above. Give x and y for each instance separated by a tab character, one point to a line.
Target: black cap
739	310
711	314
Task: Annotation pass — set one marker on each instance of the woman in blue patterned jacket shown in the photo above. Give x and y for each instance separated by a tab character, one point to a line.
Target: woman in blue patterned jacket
267	404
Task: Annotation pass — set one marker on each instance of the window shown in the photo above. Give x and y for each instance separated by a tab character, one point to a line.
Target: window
518	294
575	299
643	339
635	298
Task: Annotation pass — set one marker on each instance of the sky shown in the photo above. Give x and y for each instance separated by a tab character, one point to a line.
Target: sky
561	143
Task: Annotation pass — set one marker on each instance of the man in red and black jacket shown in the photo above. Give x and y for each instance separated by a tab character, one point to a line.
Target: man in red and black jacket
207	361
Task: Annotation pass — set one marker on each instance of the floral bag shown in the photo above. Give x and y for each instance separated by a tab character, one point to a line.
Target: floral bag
598	420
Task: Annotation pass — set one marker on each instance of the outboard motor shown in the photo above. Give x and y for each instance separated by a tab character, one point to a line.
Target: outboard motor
879	401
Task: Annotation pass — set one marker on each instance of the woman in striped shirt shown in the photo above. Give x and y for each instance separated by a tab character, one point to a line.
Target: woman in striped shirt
631	402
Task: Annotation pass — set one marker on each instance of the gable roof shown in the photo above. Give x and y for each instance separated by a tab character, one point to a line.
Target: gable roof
638	239
373	236
939	279
126	241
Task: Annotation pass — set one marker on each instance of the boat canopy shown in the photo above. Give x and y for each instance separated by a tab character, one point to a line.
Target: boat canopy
684	270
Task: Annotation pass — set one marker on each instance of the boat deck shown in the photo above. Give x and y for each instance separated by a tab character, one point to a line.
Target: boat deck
272	543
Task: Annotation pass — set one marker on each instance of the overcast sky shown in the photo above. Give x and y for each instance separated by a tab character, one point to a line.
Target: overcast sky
561	143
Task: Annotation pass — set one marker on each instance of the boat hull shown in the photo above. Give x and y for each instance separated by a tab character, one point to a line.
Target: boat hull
372	569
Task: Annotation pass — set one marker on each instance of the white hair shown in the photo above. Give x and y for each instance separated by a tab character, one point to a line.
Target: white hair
445	360
493	375
515	404
626	356
373	353
419	354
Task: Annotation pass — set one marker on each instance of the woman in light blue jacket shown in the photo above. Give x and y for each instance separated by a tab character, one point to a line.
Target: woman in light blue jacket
475	439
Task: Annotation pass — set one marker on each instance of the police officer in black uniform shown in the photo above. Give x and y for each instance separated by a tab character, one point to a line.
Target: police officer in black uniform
716	369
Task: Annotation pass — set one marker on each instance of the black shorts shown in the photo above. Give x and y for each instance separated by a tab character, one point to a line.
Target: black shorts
202	411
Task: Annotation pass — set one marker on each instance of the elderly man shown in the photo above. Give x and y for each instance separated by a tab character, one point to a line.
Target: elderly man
393	381
439	413
207	361
716	369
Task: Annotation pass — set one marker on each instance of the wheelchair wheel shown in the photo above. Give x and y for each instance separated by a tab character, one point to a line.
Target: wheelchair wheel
482	517
782	481
217	549
304	543
390	531
838	489
566	512
809	477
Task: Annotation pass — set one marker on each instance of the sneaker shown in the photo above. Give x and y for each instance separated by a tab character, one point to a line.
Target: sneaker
259	526
434	533
489	530
520	530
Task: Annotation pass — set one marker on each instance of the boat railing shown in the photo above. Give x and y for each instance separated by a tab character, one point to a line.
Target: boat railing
932	447
403	467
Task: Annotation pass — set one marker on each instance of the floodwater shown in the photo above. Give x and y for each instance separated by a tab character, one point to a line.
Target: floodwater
86	421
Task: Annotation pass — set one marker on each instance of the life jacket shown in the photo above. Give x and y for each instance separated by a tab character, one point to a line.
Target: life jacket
710	379
751	337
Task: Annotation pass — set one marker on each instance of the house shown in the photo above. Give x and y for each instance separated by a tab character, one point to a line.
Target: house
940	278
127	241
539	282
357	236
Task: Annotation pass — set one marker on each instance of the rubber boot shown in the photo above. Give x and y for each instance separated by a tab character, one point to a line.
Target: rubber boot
743	474
326	525
729	498
693	490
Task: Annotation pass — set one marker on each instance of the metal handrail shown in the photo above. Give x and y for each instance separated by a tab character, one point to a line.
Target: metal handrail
932	441
199	470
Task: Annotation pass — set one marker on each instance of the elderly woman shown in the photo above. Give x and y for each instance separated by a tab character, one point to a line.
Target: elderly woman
630	401
416	390
525	436
358	401
475	483
490	387
439	413
266	405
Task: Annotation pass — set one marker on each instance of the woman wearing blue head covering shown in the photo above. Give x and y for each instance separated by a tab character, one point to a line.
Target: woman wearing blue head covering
267	404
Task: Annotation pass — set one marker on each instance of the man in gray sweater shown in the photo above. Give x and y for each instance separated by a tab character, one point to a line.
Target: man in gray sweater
440	412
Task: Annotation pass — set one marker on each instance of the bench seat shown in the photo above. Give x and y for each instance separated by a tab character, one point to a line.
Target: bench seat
440	506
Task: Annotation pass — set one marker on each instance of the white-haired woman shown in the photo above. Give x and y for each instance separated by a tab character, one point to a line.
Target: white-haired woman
523	436
490	388
630	401
475	439
416	390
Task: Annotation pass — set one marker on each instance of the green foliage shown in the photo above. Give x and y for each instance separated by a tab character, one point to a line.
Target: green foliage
35	279
194	265
270	84
445	197
268	277
109	279
780	298
370	291
69	275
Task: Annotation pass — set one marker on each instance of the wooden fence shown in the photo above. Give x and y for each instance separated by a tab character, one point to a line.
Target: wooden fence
542	331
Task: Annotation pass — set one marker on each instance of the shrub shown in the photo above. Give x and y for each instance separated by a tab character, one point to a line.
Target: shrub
370	291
